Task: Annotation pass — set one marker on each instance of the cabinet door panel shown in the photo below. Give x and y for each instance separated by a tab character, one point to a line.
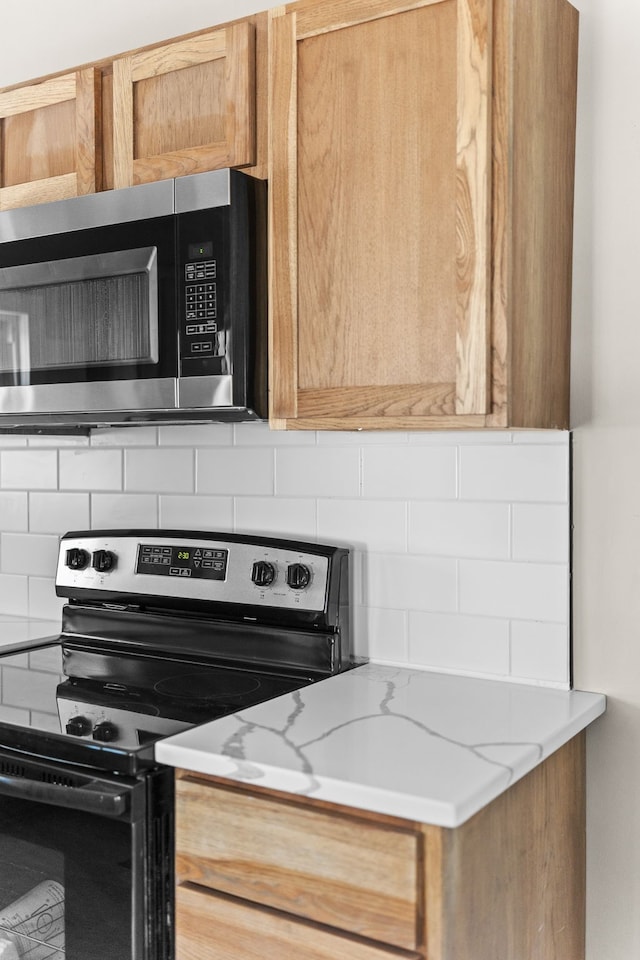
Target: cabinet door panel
379	154
209	927
50	139
185	107
339	871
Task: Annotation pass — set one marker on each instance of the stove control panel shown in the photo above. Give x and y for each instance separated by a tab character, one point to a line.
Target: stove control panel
262	572
184	560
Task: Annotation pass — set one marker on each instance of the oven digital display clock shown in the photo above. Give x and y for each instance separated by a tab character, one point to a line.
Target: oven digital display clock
200	562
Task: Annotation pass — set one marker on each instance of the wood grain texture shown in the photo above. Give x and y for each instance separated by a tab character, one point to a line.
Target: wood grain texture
88	131
339	871
39	144
283	216
403	400
376	240
122	118
510	207
185	107
512	884
39	191
473	209
37	95
211	927
49	145
339	422
545	47
178	54
315	18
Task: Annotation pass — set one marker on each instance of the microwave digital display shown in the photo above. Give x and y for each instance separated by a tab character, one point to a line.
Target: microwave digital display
198	251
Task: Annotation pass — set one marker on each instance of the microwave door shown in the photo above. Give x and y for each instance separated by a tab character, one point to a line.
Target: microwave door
90	324
14	345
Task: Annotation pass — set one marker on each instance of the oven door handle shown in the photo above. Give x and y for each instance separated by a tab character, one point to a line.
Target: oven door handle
94	796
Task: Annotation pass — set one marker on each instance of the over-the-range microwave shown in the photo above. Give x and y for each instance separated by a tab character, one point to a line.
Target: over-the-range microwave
135	305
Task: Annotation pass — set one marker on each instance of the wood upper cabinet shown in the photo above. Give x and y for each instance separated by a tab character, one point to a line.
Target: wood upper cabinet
50	146
263	876
185	107
421	194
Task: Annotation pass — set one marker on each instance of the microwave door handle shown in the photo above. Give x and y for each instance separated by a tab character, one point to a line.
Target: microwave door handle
94	796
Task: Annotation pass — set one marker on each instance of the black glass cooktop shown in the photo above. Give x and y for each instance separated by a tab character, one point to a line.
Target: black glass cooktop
106	707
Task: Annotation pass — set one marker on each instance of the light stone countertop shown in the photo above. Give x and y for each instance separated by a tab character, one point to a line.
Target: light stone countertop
410	743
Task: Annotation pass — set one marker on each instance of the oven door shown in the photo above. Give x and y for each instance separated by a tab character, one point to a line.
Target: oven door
85	864
88	313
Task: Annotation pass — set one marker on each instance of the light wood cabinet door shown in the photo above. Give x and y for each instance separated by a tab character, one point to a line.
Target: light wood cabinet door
50	139
210	927
185	107
421	213
337	870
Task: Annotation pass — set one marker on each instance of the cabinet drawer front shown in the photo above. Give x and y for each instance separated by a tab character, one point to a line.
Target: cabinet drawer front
209	927
334	869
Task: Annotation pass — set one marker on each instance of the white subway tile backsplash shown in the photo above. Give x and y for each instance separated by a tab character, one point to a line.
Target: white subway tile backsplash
235	472
159	471
14	594
460	541
124	510
317	472
541	532
561	437
531	591
258	434
124	437
196	512
410	583
521	472
409	473
382	634
42	600
28	553
540	651
196	435
460	643
276	516
58	512
361	438
90	469
14	510
29	469
372	524
459	529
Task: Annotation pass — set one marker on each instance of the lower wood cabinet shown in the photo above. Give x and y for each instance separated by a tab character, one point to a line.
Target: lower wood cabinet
264	875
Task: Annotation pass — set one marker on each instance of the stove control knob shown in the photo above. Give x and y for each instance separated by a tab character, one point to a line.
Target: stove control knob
76	558
298	576
263	573
78	726
105	732
103	560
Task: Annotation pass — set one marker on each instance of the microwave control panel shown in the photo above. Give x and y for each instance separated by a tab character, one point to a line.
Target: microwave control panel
200	303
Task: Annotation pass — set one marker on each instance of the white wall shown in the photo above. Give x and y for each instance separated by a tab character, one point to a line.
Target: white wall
606	414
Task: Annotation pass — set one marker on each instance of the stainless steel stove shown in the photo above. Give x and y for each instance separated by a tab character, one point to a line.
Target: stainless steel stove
162	630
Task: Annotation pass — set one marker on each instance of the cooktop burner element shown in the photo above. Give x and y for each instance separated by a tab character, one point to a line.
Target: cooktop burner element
177	629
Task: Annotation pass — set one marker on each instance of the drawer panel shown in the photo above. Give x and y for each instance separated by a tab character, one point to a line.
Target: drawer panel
338	870
211	927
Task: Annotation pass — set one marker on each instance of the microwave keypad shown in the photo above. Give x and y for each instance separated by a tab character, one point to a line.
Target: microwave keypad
201	310
203	270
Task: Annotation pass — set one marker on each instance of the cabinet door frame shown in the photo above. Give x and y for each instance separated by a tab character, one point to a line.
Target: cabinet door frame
472	390
235	45
83	87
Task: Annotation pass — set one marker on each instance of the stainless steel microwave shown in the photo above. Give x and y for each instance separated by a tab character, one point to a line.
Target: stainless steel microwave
135	305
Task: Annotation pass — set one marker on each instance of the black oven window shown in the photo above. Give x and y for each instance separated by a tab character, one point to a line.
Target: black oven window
65	884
